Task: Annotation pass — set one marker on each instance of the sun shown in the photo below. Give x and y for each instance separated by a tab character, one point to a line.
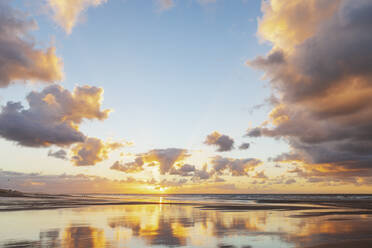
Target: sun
161	189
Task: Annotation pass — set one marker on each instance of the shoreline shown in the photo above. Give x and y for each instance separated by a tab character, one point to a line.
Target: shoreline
11	200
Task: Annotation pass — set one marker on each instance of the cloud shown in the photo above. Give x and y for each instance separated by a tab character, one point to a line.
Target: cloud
164	158
320	70
92	151
202	174
20	60
171	161
64	183
183	170
61	154
53	116
260	175
254	132
244	146
164	5
131	167
287	157
223	142
66	13
290	181
236	167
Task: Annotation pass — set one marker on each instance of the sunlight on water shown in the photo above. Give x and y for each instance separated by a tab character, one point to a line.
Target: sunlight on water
160	225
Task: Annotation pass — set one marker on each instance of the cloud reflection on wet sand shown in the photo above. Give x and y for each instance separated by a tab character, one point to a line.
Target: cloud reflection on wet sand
177	226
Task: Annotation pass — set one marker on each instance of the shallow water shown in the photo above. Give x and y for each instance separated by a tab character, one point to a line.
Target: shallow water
160	225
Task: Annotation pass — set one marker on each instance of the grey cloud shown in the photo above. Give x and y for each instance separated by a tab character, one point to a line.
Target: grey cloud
172	183
53	116
237	167
184	170
223	142
254	132
244	146
164	158
323	85
287	156
290	181
29	128
131	167
202	174
61	154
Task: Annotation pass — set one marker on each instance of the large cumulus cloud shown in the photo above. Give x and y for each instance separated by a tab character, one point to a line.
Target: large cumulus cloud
20	59
320	69
53	116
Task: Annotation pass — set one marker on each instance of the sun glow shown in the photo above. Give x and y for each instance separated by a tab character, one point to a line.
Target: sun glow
161	189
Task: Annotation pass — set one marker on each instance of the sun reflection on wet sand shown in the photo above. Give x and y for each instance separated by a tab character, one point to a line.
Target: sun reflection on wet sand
174	226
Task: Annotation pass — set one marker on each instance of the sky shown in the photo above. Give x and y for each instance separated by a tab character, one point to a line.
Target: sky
186	96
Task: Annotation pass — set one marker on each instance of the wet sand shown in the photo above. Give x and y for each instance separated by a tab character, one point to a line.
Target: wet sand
142	221
346	244
359	204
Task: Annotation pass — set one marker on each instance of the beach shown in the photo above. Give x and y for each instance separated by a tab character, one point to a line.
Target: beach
255	221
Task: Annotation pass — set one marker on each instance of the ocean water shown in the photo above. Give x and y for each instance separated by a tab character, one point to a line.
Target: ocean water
236	198
178	225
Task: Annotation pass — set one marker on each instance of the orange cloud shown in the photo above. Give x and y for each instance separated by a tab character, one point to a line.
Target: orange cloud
92	151
287	24
20	60
66	13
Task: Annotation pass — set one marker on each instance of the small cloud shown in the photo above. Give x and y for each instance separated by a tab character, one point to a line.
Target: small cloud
254	132
290	181
244	146
184	170
223	142
131	167
260	175
236	167
61	154
66	13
